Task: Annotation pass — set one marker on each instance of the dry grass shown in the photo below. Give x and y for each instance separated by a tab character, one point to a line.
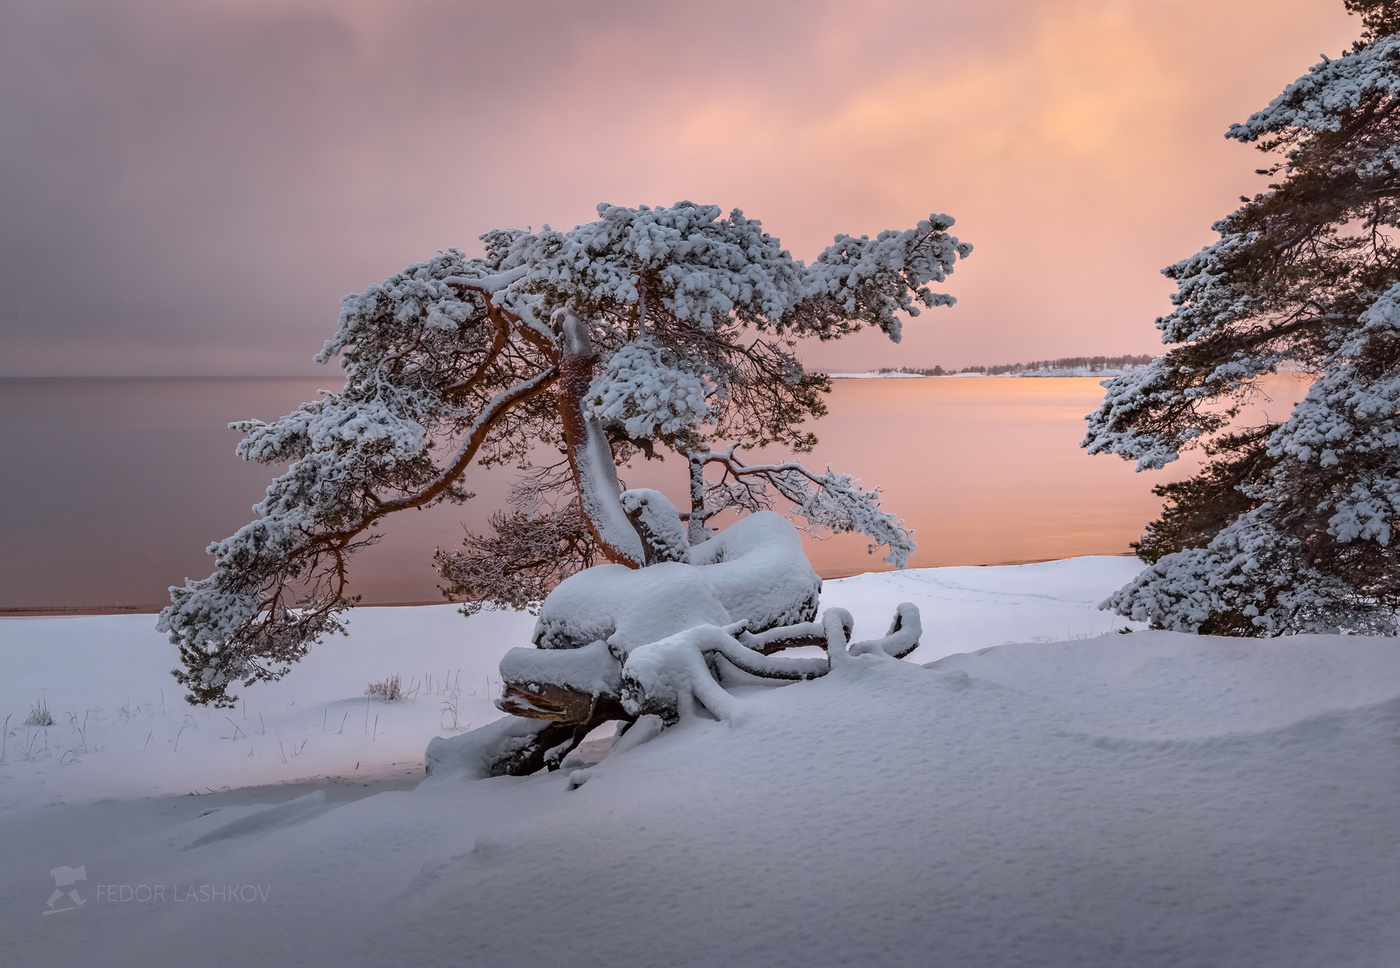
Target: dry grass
390	689
40	715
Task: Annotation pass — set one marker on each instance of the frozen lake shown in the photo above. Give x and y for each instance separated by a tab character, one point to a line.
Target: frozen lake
111	489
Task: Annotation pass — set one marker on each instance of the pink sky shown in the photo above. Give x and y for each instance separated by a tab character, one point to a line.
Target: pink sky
190	187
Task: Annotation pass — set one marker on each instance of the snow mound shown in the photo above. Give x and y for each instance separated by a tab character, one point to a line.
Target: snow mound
471	756
759	571
1165	687
754	569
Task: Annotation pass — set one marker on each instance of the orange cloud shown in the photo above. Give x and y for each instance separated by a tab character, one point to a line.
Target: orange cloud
310	147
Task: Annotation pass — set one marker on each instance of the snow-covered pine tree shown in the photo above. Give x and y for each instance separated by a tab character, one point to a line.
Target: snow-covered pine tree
1291	526
649	328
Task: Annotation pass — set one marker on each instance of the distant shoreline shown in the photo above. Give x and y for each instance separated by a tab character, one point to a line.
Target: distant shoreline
1063	366
1036	374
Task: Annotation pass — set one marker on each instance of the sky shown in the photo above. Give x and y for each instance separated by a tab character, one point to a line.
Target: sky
188	188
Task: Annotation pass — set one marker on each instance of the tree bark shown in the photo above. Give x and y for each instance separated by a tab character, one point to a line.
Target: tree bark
590	453
557	703
696	528
546	749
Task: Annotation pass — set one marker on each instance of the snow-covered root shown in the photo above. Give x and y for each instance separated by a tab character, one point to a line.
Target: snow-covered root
657	523
558	696
754	653
900	640
510	746
563	685
663	677
792	636
633	733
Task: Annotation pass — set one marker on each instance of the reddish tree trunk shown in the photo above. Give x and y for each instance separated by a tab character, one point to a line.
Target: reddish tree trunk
590	453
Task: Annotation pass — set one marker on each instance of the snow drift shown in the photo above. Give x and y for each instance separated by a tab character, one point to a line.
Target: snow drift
1144	799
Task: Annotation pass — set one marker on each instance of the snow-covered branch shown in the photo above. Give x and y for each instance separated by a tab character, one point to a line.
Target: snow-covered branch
280	581
829	500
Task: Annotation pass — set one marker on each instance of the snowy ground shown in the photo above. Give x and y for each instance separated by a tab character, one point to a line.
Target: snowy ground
1076	798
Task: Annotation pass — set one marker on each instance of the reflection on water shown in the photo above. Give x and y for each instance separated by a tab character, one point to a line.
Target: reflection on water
110	489
987	471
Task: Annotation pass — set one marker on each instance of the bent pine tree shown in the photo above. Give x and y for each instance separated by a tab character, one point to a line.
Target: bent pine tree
648	329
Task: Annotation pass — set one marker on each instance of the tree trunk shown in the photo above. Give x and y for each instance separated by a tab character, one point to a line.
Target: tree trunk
696	529
559	704
590	454
545	750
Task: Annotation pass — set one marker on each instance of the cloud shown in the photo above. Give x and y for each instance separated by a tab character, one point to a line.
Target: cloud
189	187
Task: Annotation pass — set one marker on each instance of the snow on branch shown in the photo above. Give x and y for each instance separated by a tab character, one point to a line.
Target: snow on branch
830	500
1313	555
871	279
648	395
1321	99
280	581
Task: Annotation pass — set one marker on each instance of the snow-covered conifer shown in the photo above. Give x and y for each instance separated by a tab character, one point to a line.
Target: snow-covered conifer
1291	527
671	327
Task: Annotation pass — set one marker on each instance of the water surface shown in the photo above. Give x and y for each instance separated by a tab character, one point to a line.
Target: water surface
111	489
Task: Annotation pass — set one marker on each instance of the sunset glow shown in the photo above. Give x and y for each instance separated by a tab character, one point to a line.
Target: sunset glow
189	188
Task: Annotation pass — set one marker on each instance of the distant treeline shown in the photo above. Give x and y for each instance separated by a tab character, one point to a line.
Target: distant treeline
1091	363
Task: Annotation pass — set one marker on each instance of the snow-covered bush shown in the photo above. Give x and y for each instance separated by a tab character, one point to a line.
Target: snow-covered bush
1291	527
669	328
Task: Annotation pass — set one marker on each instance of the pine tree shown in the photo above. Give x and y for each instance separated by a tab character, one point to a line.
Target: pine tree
1290	526
647	330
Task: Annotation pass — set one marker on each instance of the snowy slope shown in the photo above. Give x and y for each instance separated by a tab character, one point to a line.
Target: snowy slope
121	728
1143	799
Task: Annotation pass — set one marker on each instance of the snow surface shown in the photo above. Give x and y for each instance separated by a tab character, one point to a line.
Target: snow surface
754	570
1076	798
